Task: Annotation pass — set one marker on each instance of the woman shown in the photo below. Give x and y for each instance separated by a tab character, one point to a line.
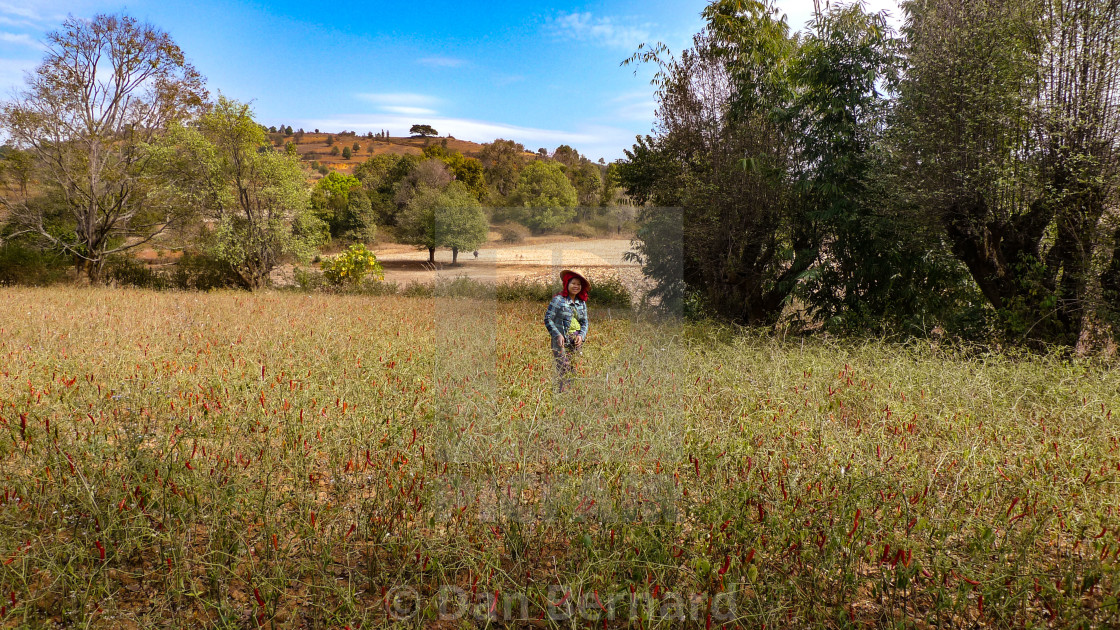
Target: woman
566	321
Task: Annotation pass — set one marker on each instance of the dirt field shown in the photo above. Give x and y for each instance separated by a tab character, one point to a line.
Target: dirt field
537	258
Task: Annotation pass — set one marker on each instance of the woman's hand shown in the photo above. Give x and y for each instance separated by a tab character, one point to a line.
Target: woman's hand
578	341
560	342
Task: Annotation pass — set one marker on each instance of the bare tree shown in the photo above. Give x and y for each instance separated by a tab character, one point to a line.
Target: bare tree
106	91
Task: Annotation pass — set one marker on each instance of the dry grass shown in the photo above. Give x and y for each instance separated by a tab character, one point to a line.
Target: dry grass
286	460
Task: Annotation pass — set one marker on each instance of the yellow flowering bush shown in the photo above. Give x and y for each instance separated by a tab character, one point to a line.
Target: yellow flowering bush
351	266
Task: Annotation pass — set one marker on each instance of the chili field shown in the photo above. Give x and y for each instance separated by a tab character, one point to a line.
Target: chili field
286	460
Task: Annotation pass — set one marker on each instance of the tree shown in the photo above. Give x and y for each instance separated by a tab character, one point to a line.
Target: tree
357	147
1013	152
567	156
502	161
258	198
380	176
744	240
467	170
335	151
346	153
423	131
330	139
451	217
546	196
107	90
881	268
586	178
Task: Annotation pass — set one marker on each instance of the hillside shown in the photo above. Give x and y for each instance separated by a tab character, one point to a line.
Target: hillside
313	147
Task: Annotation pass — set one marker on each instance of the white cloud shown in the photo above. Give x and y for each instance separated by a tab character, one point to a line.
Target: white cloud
401	109
12	74
22	39
442	62
404	99
404	103
606	31
638	106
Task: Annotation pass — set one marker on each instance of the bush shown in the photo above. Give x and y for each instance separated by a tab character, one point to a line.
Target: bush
523	291
201	272
25	265
351	266
513	232
578	230
126	271
609	292
601	224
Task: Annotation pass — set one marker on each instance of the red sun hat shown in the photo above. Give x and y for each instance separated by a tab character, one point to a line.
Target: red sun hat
584	285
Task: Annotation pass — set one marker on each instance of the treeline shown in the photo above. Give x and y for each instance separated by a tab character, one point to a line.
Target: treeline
959	176
115	144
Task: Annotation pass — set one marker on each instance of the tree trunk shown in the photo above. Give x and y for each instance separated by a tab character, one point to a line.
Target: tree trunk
454	255
431	254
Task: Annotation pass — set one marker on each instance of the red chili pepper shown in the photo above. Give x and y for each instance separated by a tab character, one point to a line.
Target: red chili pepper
257	594
750	556
726	564
100	549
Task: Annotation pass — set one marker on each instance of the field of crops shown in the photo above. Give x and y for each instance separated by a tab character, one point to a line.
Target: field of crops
286	460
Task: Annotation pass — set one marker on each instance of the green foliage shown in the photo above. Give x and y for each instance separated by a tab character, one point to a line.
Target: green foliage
546	196
126	271
346	153
451	217
330	140
200	271
352	266
257	198
422	130
335	151
107	90
610	292
502	161
24	264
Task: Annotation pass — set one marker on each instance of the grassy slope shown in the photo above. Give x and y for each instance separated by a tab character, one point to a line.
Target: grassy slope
287	459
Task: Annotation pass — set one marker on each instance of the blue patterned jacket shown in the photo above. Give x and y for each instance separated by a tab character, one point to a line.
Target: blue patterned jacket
558	317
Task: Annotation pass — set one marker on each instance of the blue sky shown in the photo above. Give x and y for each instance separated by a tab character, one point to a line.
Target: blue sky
544	73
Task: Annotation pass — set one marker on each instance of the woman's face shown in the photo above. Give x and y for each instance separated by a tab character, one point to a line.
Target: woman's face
574	286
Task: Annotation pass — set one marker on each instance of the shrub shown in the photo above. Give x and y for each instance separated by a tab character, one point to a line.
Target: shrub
578	230
25	265
202	272
523	291
513	232
126	271
351	266
609	292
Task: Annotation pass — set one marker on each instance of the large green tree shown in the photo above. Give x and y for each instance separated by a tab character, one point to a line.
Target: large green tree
257	198
1008	123
107	90
449	217
544	196
502	161
734	240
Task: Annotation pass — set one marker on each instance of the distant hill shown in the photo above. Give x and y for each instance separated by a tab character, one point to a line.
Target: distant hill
313	147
